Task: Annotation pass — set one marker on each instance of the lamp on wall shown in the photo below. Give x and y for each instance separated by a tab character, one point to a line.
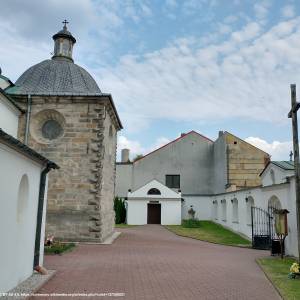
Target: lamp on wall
246	199
231	200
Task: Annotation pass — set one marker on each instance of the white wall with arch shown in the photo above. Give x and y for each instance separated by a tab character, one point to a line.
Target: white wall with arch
19	186
234	208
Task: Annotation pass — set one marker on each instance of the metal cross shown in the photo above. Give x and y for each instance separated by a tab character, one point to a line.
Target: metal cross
291	156
65	22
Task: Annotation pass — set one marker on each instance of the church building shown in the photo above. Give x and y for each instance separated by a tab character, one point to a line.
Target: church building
71	121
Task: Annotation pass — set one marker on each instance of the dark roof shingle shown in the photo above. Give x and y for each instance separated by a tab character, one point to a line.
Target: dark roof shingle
55	77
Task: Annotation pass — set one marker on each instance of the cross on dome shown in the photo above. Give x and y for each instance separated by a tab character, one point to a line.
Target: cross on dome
63	44
65	22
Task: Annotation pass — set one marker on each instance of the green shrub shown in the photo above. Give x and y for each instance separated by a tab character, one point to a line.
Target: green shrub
191	223
58	248
120	210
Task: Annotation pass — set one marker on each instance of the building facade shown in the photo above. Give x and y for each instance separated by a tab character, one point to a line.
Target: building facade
23	181
220	181
70	121
195	165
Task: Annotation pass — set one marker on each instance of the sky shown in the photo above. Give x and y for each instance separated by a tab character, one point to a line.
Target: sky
173	66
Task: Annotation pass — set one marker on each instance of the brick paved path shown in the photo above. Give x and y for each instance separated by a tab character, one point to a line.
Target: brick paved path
149	262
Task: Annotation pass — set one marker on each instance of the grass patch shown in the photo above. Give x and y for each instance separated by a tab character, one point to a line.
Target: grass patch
58	248
277	270
124	226
211	232
191	223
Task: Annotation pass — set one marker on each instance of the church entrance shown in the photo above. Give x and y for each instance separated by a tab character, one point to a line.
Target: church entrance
154	213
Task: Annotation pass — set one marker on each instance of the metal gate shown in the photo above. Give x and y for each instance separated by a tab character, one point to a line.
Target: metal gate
261	222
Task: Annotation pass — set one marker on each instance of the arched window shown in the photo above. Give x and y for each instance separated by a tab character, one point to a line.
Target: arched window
154	191
274	202
250	203
235	210
224	210
23	195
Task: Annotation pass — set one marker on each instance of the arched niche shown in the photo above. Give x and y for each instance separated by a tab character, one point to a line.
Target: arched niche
23	195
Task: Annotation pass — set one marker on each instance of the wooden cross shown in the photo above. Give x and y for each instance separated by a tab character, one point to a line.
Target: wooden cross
293	115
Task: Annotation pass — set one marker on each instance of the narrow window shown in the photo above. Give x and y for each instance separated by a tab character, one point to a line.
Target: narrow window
173	181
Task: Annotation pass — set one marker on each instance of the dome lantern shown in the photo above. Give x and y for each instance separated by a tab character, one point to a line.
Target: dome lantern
63	44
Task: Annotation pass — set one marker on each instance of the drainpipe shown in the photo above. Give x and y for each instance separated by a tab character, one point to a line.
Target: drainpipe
27	119
42	187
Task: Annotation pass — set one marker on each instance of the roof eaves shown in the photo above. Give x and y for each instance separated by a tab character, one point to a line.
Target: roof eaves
13	142
11	101
279	165
283	165
114	108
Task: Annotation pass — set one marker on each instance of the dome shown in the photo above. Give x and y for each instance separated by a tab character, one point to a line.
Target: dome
55	77
58	76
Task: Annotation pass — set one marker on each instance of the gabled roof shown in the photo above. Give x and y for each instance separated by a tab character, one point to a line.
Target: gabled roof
174	141
165	192
283	164
11	142
227	132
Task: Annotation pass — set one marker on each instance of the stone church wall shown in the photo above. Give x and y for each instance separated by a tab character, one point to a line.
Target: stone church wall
80	194
244	162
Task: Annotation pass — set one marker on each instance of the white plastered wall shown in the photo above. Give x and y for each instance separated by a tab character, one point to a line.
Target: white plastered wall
261	196
137	204
170	211
17	235
201	205
9	116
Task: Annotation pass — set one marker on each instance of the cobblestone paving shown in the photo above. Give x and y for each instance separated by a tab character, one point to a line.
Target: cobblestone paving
149	262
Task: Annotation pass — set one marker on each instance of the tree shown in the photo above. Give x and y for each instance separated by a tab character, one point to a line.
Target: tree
120	210
138	156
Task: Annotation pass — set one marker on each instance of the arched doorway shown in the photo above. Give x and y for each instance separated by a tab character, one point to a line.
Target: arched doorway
224	210
215	209
250	204
235	210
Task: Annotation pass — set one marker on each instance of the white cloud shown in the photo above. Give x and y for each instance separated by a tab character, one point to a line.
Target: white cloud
246	76
26	29
288	11
277	150
261	9
136	148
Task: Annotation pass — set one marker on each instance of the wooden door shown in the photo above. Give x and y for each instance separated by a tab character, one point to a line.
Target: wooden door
154	213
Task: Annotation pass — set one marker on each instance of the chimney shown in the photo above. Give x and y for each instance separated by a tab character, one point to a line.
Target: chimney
182	134
220	133
125	155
